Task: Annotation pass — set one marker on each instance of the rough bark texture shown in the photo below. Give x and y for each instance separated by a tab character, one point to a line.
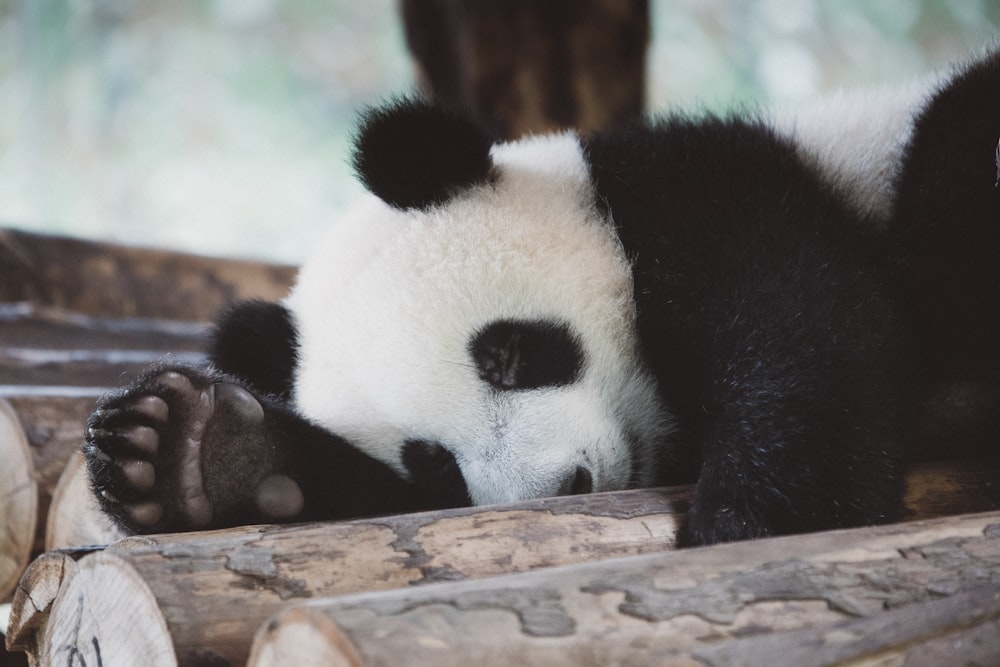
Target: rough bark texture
213	589
527	66
120	281
866	596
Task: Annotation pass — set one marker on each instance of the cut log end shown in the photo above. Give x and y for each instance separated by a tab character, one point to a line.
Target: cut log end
35	593
74	517
305	637
18	501
106	615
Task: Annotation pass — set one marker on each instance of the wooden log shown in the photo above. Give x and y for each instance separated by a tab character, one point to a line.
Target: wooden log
121	281
682	607
935	488
35	594
51	421
213	589
242	575
527	66
18	501
74	518
100	368
31	325
960	629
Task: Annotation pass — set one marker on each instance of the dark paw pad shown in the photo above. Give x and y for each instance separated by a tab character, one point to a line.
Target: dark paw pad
146	448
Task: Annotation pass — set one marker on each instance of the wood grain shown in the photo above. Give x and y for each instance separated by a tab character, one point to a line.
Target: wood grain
805	600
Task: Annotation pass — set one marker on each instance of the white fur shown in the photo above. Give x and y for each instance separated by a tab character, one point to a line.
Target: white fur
856	138
387	306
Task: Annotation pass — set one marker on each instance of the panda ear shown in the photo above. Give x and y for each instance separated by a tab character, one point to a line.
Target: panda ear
413	155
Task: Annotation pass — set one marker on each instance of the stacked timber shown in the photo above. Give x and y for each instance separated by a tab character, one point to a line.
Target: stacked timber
925	592
78	318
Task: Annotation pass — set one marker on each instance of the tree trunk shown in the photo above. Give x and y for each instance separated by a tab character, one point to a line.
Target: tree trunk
532	67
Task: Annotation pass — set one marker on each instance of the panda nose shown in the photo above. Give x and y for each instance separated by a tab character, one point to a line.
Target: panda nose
579	481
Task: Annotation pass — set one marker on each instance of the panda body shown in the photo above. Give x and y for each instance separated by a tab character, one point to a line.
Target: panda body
723	297
693	299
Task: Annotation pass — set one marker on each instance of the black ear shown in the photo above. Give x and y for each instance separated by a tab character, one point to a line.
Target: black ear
413	155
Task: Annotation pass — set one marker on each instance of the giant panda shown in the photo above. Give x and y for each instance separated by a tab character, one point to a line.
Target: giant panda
686	299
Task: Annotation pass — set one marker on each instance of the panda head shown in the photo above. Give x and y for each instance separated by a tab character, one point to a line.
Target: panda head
477	301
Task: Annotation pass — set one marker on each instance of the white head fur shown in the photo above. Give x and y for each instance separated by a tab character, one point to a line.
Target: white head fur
386	308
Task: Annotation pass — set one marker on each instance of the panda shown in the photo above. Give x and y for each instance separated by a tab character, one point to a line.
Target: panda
688	299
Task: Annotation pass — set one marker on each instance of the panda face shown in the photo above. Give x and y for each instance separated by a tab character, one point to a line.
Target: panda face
497	323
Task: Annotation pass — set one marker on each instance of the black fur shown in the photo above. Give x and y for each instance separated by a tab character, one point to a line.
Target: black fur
414	155
526	355
435	471
946	228
256	341
763	318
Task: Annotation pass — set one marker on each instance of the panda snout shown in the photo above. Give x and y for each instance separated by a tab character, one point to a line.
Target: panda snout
577	482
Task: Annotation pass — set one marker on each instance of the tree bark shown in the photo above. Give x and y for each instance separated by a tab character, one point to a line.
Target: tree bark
805	600
533	67
121	281
213	589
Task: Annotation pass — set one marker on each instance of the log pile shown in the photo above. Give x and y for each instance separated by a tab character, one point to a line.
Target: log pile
920	591
78	318
571	580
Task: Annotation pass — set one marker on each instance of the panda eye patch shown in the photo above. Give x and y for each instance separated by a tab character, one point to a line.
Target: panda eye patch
526	354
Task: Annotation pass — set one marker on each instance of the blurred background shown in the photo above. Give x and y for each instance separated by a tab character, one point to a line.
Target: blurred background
223	126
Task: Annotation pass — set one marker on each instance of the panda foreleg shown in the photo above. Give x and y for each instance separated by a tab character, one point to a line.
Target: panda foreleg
183	448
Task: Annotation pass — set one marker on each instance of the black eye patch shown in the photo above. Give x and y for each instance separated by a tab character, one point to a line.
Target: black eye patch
526	354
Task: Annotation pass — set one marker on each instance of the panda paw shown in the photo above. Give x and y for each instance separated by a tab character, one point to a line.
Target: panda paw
180	449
